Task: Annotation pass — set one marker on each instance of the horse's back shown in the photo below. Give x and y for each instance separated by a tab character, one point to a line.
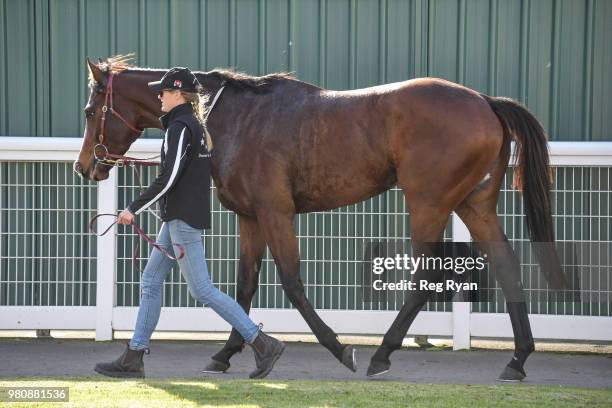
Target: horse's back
426	126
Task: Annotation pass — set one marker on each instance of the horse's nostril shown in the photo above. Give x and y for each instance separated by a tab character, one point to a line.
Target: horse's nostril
78	169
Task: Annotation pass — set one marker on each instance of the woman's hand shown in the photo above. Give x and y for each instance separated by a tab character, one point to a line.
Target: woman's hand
126	217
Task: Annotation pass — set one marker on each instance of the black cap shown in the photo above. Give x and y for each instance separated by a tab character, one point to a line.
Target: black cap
177	78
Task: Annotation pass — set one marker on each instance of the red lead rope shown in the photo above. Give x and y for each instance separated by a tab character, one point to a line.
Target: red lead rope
140	232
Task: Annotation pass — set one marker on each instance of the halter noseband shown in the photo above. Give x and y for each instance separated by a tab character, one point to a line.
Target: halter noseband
110	159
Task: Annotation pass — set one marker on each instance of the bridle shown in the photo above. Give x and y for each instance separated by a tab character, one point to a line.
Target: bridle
110	159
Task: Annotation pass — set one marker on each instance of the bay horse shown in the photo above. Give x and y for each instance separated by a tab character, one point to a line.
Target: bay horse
283	147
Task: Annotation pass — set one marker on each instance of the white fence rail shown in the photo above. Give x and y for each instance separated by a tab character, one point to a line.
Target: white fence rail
106	316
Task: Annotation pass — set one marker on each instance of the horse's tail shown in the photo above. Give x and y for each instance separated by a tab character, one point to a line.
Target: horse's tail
534	177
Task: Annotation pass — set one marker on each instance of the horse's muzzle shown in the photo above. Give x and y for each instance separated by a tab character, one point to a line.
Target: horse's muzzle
93	175
98	173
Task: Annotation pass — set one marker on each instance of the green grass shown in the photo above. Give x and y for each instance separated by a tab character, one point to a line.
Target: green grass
96	392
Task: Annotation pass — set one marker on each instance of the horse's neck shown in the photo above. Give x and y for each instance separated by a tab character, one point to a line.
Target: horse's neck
148	109
151	120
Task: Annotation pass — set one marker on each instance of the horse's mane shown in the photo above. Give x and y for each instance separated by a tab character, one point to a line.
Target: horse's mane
258	84
117	63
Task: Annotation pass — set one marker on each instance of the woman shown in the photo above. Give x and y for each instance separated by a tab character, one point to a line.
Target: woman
183	189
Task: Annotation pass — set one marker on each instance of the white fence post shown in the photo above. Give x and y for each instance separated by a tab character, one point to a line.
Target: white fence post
106	258
461	310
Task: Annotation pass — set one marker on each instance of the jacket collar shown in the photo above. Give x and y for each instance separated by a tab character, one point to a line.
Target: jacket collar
179	110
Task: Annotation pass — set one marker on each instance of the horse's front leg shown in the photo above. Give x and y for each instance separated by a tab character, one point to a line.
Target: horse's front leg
252	246
428	224
277	227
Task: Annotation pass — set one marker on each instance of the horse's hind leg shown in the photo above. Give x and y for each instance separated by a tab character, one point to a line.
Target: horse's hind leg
478	212
280	236
252	246
427	227
481	219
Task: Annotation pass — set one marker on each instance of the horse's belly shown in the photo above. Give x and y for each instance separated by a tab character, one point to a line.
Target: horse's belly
335	193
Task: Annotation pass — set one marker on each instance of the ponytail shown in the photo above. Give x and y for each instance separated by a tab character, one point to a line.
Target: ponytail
198	101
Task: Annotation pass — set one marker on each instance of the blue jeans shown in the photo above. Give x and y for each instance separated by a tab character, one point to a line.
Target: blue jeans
194	270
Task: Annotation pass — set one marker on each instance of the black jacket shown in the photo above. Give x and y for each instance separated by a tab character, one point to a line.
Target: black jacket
183	184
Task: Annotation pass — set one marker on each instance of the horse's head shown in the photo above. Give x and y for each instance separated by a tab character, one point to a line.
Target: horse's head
120	106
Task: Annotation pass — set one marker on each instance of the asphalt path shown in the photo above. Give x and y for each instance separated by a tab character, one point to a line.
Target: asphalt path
186	359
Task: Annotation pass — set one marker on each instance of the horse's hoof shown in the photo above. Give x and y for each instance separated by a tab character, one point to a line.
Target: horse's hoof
216	367
349	357
378	368
511	375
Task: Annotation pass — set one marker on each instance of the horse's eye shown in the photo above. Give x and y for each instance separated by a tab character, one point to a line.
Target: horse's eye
89	113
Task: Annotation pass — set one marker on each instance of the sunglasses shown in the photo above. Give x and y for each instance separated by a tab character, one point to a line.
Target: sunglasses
161	93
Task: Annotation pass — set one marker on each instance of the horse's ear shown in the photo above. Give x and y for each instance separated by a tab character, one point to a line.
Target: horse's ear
96	72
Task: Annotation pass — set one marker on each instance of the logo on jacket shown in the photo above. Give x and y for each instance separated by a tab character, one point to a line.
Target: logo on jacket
178	83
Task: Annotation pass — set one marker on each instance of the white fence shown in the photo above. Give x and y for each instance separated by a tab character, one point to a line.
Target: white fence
106	316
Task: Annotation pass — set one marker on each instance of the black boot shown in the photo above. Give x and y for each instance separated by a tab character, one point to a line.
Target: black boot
267	350
128	365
